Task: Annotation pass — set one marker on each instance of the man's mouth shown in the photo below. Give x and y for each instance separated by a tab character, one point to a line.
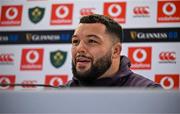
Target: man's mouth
81	62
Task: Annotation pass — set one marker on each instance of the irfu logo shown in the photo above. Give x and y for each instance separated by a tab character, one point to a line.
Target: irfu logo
36	14
58	58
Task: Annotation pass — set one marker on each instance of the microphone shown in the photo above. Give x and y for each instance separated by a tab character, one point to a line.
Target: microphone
30	85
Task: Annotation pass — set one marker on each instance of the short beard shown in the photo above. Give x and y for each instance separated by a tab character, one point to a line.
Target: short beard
96	70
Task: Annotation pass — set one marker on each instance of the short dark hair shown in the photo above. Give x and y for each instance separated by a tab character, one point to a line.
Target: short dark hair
112	26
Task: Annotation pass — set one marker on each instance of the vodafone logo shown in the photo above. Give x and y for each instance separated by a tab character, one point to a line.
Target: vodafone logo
56	80
116	10
11	15
169	9
7	79
168	81
167	57
32	59
140	57
32	56
61	14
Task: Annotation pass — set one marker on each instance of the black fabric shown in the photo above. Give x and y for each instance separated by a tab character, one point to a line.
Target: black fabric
123	78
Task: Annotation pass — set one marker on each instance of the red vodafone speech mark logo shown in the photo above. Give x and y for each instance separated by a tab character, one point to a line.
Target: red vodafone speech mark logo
7	79
116	10
140	57
56	80
32	59
61	14
11	15
168	11
168	81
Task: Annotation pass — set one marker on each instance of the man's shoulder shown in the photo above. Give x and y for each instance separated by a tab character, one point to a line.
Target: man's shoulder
131	80
136	80
69	83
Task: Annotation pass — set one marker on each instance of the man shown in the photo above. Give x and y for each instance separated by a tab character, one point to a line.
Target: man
96	60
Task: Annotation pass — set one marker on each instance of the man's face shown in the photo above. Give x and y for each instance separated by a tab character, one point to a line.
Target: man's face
91	51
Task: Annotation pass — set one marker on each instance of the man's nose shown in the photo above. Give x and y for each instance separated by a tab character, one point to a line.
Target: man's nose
81	47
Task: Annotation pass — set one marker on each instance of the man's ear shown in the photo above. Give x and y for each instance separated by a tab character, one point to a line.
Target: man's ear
116	50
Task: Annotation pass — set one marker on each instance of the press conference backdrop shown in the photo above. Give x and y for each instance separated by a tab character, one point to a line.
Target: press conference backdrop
35	38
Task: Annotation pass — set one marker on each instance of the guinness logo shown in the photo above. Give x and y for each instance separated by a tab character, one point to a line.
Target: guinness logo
133	35
28	37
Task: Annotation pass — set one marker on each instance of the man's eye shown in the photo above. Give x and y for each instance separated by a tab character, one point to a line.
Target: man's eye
92	41
75	42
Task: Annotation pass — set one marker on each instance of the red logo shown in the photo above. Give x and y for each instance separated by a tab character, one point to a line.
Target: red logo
6	58
61	14
56	80
116	10
32	59
140	57
141	11
168	11
167	57
7	79
11	15
168	81
87	11
29	83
